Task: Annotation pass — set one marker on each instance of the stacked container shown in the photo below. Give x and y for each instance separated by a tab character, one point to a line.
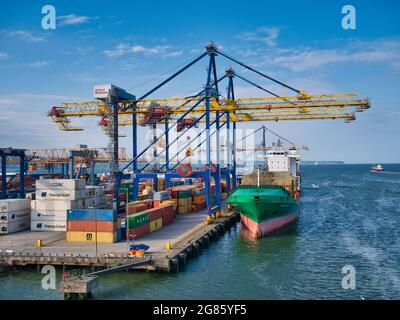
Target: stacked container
87	225
168	214
15	215
184	201
199	199
155	217
53	198
138	224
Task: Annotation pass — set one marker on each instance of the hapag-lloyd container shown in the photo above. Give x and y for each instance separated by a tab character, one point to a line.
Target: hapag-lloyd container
10	205
59	194
15	215
92	214
49	215
60	184
56	204
15	226
48	225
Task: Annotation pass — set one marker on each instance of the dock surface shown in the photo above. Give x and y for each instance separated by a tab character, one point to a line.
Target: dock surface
185	234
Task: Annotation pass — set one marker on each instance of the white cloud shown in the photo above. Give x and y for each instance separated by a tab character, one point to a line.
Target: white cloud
364	52
25	35
173	54
266	35
38	64
73	19
124	49
3	55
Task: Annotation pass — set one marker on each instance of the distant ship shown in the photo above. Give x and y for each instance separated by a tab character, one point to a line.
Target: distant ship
268	198
376	168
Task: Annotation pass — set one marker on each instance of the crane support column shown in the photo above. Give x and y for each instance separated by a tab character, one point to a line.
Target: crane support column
134	141
3	176
166	146
210	51
22	175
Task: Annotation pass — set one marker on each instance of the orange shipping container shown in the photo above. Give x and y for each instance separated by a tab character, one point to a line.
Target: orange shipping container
91	226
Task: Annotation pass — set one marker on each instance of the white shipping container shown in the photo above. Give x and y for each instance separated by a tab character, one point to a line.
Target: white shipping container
84	194
95	191
48	225
10	205
15	216
95	201
56	205
60	184
15	226
52	215
59	194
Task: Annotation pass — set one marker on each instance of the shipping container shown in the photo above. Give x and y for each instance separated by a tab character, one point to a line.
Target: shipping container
16	226
154	213
90	237
136	207
60	194
92	214
137	219
49	225
58	205
15	215
169	214
91	226
161	195
10	205
49	215
139	231
60	184
156	225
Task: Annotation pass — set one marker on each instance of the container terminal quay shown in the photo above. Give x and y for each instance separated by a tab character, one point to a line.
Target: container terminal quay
96	211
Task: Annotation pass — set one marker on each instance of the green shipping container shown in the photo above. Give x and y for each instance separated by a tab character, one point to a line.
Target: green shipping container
184	194
137	220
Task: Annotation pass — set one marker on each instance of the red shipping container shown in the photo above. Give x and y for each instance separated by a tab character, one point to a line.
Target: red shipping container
138	232
169	214
91	226
149	203
155	213
138	208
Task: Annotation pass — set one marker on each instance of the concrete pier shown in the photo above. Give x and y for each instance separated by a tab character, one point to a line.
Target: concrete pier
188	235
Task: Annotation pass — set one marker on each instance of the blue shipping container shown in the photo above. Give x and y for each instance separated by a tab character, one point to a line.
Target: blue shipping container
91	215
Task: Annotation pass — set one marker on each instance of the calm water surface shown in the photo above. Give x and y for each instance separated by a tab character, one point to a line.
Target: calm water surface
353	218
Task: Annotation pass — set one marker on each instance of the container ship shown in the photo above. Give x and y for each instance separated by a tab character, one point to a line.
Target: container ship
268	197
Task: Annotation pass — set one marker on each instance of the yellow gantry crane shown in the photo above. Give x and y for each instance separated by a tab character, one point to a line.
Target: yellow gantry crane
115	107
327	106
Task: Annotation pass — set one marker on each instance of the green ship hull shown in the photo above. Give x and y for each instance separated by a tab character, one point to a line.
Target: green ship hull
264	209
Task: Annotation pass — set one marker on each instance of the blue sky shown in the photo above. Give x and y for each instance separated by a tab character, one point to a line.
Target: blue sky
129	43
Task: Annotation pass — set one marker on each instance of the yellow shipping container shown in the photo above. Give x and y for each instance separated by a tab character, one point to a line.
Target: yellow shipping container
184	201
155	225
185	209
173	201
90	237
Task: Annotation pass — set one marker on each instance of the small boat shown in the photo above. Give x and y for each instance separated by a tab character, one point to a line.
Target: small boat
376	168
